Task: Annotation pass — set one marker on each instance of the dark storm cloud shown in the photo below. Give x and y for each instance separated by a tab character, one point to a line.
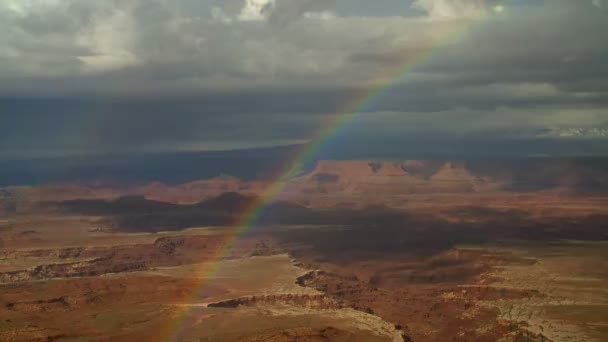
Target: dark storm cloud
80	126
150	73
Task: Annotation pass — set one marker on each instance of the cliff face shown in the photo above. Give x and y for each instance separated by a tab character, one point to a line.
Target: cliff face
344	184
309	301
359	169
390	178
479	175
69	270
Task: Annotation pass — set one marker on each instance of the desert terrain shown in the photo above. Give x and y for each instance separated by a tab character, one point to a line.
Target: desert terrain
347	251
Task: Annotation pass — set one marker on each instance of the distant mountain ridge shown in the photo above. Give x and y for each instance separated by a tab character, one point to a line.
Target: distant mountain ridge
582	175
354	183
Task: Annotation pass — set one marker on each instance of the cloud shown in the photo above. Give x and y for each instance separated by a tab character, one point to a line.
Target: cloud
286	64
453	8
170	47
109	40
285	11
281	12
256	9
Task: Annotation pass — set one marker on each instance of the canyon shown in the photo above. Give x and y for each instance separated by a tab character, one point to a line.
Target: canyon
345	251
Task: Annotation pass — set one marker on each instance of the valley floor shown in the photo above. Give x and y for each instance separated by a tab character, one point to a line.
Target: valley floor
305	283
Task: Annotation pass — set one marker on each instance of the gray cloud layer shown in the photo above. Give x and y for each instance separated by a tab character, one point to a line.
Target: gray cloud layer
473	67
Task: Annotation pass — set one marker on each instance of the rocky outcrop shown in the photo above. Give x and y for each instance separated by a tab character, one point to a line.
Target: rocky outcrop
383	179
168	245
47	305
91	268
61	253
304	334
359	168
318	301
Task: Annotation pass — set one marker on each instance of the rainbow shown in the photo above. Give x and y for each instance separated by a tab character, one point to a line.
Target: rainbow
392	75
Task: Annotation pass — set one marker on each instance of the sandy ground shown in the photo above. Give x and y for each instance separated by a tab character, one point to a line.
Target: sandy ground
183	293
570	277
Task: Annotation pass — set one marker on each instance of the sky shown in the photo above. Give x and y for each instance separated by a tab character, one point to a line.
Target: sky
109	76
